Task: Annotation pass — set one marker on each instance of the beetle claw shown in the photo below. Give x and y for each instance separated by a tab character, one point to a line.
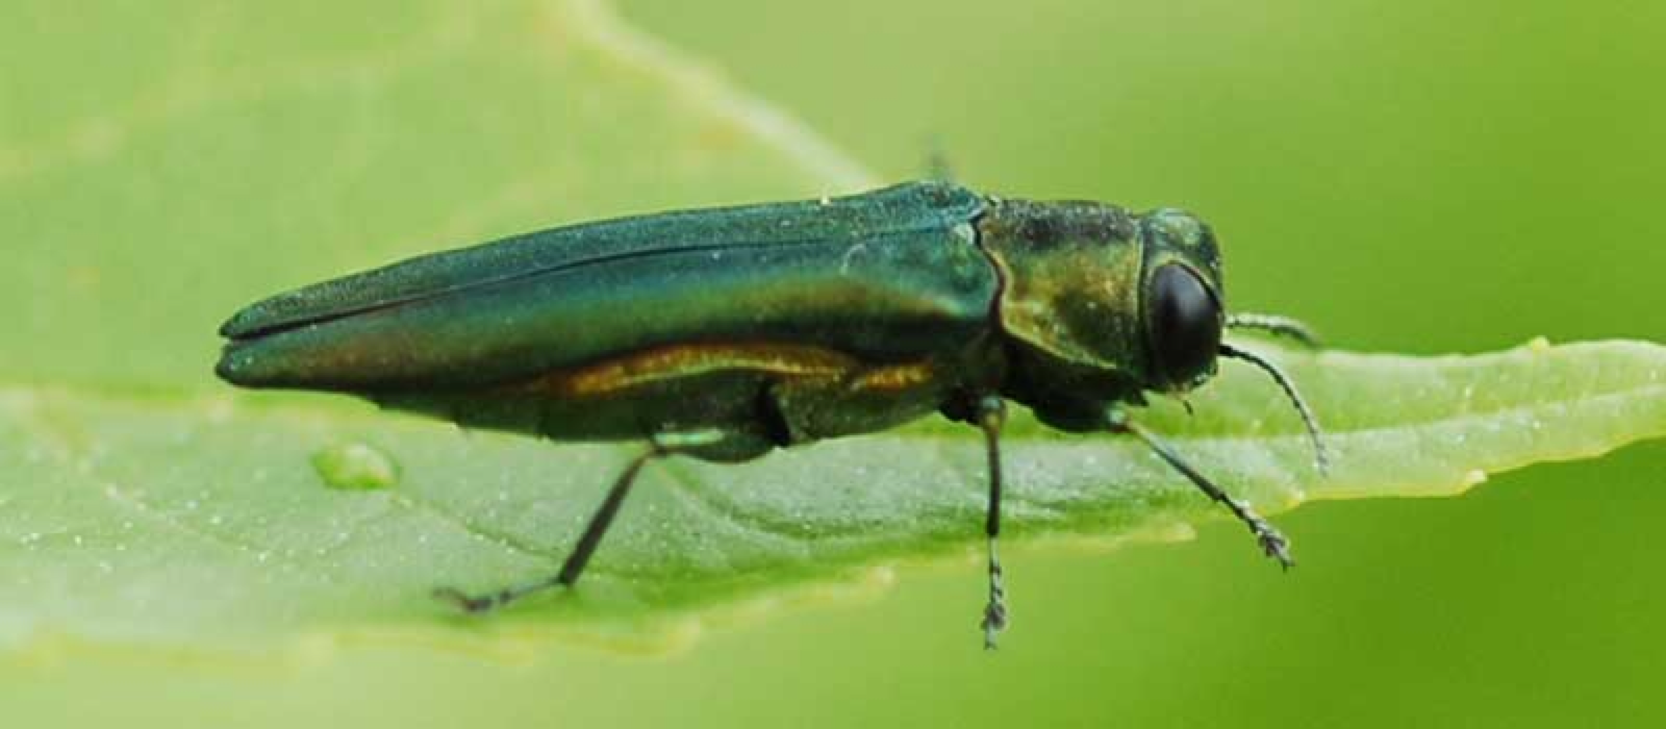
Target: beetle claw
466	602
1273	544
994	621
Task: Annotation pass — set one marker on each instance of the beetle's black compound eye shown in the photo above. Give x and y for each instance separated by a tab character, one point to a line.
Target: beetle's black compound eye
1183	322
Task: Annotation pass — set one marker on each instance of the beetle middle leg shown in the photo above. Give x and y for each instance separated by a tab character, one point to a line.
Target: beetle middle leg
991	414
1273	543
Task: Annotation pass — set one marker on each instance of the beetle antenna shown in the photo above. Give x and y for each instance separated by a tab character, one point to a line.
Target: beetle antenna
1320	458
1277	325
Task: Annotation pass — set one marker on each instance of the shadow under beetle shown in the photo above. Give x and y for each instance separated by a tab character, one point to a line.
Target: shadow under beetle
723	333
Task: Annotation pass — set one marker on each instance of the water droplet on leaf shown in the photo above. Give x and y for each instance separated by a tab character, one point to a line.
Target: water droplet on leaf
355	466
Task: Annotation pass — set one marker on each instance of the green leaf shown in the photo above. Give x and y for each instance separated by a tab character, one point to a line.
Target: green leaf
202	524
238	150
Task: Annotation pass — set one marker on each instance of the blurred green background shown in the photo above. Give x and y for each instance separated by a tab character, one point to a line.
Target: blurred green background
1409	176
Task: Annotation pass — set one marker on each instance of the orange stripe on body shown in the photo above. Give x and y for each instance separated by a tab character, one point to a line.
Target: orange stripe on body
683	360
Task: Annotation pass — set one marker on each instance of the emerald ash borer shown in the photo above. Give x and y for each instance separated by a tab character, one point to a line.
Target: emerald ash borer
721	334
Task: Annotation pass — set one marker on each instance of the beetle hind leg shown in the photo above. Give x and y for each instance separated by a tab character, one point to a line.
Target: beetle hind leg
937	165
712	445
578	558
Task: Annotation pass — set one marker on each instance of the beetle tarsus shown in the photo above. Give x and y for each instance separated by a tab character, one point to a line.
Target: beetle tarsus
994	613
469	603
1273	543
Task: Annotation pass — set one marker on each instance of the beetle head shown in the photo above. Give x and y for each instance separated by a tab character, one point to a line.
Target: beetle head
1107	302
1099	305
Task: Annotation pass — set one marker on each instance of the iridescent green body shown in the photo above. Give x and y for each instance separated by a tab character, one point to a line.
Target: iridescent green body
768	324
722	334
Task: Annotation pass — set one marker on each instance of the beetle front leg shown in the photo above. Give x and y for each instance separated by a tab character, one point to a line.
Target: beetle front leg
991	415
1273	543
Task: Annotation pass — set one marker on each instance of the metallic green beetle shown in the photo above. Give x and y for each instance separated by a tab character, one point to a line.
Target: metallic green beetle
724	333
